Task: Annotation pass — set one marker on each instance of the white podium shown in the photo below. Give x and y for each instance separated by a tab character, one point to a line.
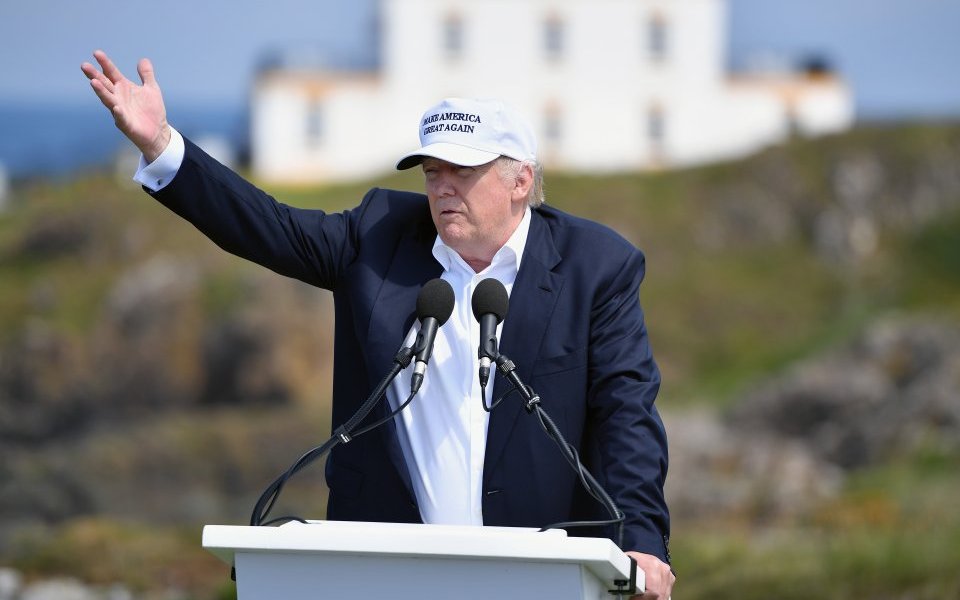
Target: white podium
336	559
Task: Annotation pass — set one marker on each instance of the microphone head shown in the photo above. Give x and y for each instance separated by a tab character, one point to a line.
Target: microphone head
435	300
490	298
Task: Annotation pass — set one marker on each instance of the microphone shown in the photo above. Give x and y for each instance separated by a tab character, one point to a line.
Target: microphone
434	306
490	304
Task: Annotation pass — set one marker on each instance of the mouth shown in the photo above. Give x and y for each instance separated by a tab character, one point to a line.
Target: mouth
448	211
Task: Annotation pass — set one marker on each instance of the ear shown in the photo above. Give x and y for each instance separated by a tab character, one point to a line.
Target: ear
523	184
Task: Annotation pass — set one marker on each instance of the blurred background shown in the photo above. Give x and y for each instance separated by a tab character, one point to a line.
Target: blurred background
791	170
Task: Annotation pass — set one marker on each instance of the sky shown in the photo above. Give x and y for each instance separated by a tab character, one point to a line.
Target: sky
899	55
896	53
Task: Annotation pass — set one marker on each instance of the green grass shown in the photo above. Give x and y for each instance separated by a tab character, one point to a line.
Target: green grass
102	551
894	533
930	270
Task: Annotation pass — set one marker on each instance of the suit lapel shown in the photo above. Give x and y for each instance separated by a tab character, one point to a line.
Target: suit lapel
532	299
394	312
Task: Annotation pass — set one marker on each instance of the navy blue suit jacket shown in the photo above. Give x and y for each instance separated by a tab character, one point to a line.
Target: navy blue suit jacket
574	328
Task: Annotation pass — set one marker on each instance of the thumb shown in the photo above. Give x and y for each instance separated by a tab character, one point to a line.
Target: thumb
145	69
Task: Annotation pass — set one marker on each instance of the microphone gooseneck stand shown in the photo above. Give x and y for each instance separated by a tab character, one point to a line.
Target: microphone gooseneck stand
532	406
434	306
342	434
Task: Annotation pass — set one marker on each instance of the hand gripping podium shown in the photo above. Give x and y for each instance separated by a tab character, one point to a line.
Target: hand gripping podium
338	559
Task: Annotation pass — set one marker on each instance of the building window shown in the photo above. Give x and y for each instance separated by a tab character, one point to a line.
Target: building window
657	38
315	122
656	131
553	38
453	36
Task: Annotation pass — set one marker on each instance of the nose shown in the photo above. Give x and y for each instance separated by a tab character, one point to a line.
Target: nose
444	186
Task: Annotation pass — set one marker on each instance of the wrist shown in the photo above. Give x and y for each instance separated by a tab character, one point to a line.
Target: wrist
159	144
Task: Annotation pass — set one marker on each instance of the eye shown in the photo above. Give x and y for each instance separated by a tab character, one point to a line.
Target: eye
466	171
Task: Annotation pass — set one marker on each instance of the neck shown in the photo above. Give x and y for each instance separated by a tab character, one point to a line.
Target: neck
479	258
477	264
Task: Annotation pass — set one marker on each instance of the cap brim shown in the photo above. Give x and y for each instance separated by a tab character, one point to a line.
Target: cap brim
452	153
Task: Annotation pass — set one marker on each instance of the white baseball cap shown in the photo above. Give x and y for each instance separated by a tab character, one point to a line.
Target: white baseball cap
470	132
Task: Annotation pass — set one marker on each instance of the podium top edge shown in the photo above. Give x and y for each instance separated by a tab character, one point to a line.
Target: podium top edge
600	555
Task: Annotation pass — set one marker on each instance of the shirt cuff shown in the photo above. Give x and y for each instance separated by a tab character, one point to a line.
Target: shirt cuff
156	175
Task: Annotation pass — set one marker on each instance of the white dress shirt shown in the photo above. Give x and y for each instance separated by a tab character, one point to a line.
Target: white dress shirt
444	430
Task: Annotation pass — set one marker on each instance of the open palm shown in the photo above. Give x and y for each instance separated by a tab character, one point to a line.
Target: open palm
137	110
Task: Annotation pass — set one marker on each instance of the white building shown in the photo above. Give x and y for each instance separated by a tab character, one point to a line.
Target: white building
607	84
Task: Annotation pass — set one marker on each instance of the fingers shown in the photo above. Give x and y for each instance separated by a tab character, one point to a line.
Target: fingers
658	577
109	69
91	71
145	69
106	96
93	74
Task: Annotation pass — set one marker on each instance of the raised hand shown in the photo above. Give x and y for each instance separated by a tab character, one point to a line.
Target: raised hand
137	110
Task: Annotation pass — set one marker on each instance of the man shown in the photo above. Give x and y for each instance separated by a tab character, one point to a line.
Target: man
575	328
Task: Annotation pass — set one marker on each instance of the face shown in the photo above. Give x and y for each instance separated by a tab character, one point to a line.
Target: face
474	208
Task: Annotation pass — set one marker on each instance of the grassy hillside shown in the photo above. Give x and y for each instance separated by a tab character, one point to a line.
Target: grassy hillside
150	383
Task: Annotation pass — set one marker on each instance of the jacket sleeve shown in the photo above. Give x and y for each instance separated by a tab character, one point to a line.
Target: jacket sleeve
309	245
628	434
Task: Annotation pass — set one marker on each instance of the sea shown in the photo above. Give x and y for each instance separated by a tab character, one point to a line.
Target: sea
49	141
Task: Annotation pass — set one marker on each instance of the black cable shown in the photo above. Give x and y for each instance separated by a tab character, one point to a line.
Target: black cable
567	450
483	398
586	479
342	434
272	493
393	414
285	519
565	524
